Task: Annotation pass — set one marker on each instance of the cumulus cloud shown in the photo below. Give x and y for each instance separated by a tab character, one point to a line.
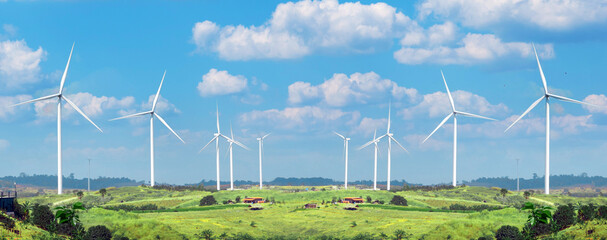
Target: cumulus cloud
220	83
6	111
300	118
554	15
368	125
341	90
599	100
301	28
473	48
437	105
90	104
19	64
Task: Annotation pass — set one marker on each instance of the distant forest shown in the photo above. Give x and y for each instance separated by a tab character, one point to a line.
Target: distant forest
50	181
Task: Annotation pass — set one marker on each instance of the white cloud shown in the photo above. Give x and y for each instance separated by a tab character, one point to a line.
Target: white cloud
368	125
437	105
7	101
341	90
91	105
9	29
473	48
4	144
220	83
19	64
300	118
555	15
599	100
300	28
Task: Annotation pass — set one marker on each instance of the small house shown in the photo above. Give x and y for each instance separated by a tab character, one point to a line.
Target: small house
353	200
253	200
7	202
310	205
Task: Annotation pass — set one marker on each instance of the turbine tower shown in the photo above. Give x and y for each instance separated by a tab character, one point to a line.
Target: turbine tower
60	97
346	140
454	114
216	139
260	154
232	141
374	141
153	114
547	95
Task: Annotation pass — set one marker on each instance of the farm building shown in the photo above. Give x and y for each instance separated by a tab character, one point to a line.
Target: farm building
253	200
352	200
310	205
7	202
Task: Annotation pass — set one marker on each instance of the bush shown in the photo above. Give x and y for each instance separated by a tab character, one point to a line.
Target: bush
237	199
99	232
43	217
508	232
70	230
586	212
120	237
20	210
398	200
479	208
602	212
208	201
536	230
129	208
564	216
7	222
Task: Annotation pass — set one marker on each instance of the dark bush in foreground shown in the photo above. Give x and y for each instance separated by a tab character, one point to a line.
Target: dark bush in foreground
586	212
398	200
7	222
538	229
99	232
508	232
42	216
602	212
208	201
564	216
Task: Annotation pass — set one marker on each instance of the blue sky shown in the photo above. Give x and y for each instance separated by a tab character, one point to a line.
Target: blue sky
301	70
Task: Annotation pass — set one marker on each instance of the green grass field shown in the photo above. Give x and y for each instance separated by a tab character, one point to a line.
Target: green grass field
427	216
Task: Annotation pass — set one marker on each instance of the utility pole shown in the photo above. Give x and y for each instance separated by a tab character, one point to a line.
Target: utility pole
89	188
517	178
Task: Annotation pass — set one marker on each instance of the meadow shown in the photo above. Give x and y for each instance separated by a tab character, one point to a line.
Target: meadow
429	214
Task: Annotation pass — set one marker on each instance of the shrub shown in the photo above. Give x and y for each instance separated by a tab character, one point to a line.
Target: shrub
7	222
205	234
602	212
479	208
242	236
120	237
398	200
586	212
503	191
129	208
237	199
508	232
20	210
401	234
208	201
102	191
369	200
99	232
564	216
70	230
364	236
43	217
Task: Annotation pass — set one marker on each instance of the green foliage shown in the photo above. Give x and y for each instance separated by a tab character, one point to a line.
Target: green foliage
6	221
398	200
537	214
401	234
564	216
527	194
503	191
99	232
206	234
43	217
586	212
130	208
602	212
508	232
364	236
68	214
208	201
353	224
478	208
102	191
369	199
237	199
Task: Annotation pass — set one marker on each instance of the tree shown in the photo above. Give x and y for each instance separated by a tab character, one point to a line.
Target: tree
99	232
537	214
206	234
369	199
69	214
208	201
564	216
602	212
526	194
586	212
237	200
102	192
508	232
401	234
398	200
43	217
80	194
503	191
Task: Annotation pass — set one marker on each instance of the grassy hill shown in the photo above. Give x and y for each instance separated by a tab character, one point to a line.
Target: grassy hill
429	214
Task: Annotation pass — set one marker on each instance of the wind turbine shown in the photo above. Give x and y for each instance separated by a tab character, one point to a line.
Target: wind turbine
60	97
232	141
346	140
153	114
260	154
216	139
454	114
390	139
546	96
374	141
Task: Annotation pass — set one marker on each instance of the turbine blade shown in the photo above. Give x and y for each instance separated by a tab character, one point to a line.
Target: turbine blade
205	146
231	132
439	125
339	135
401	146
448	92
265	136
389	108
474	115
131	115
167	125
571	100
217	118
366	144
382	136
541	71
240	144
67	66
35	100
80	111
525	113
158	92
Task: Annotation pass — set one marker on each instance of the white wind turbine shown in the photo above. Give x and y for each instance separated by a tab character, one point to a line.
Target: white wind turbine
232	141
374	141
60	97
546	96
346	140
152	114
454	114
216	139
260	154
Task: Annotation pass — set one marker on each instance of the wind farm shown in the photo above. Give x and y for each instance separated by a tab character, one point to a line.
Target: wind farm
339	127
